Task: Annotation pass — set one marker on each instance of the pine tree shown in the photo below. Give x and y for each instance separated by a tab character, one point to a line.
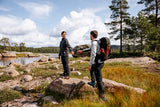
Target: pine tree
147	33
119	15
132	32
151	6
152	10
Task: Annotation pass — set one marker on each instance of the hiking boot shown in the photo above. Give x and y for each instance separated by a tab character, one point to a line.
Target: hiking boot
92	84
66	77
104	99
62	74
101	97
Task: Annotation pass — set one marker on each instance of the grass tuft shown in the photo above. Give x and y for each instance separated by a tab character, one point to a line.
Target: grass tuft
8	95
5	77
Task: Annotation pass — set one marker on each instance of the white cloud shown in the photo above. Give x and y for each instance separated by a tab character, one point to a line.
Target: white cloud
11	25
36	10
78	26
19	30
3	8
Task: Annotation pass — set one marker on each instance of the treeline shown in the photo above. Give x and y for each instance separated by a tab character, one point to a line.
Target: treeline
6	45
136	34
43	49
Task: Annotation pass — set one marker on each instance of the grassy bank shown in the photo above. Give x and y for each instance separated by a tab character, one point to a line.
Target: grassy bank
123	72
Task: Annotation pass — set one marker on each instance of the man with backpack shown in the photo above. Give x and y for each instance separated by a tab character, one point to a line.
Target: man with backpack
63	54
97	58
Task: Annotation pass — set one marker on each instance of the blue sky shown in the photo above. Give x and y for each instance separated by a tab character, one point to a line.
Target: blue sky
39	23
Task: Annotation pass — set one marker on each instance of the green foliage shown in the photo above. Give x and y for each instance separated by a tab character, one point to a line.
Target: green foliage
119	16
8	95
43	49
152	6
5	42
126	54
5	77
154	55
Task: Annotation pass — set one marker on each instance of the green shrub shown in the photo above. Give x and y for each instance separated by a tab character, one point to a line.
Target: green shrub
5	77
8	95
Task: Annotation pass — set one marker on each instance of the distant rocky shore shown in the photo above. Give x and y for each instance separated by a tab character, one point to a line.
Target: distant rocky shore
14	54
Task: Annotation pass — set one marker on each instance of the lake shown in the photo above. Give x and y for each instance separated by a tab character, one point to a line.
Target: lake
26	60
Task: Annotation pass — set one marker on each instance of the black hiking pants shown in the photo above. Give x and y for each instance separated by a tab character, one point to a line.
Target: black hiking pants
64	60
96	73
92	74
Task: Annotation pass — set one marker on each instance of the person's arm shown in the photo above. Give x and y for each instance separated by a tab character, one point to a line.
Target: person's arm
59	51
69	47
84	50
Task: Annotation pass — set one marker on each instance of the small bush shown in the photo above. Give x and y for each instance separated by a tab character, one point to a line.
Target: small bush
5	77
8	95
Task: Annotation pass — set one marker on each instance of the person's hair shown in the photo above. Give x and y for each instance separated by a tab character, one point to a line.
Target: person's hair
94	33
63	32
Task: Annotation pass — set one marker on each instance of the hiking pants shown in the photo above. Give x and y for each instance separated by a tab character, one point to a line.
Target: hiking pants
92	74
65	65
98	74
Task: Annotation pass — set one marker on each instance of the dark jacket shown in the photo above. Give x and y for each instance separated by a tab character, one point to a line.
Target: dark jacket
64	46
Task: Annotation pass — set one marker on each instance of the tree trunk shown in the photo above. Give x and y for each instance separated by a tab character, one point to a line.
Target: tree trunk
141	44
121	29
156	24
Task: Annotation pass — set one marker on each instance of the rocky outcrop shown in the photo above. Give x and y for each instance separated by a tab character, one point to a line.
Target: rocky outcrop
68	88
52	59
44	59
73	86
81	47
136	60
30	65
32	55
113	86
0	55
9	54
14	64
50	99
25	101
11	70
26	78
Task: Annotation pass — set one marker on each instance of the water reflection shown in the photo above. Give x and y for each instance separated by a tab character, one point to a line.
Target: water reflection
25	60
21	60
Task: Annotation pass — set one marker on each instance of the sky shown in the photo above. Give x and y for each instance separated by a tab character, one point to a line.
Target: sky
38	23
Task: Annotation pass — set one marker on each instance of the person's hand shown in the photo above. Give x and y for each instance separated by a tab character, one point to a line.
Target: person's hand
80	51
89	68
72	53
58	57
